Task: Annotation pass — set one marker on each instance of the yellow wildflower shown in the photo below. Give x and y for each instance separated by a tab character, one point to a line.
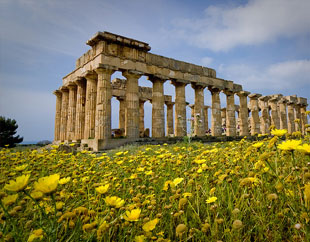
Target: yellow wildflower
187	194
21	168
18	185
248	181
289	145
305	148
211	200
307	195
132	215
10	199
278	132
64	180
102	229
102	189
114	201
177	181
47	184
36	234
149	226
258	144
139	238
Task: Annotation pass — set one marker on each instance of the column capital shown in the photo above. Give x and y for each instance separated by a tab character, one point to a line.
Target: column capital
63	89
132	73
243	93
214	89
169	103
264	98
254	96
90	75
191	106
156	77
122	98
198	85
228	92
57	93
206	107
282	101
72	86
105	69
179	82
273	100
101	66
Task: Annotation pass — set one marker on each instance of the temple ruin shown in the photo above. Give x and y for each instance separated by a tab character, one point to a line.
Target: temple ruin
83	102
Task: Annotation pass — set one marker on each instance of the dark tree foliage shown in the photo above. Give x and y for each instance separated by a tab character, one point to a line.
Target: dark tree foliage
7	131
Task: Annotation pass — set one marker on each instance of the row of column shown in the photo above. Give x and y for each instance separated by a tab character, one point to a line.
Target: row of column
83	109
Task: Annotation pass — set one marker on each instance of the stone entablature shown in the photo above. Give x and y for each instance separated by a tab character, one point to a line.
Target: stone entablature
121	56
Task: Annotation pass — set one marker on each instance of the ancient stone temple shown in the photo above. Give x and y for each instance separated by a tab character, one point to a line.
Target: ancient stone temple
83	102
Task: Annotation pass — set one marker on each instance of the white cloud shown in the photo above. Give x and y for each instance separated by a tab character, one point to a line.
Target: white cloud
206	61
282	76
256	22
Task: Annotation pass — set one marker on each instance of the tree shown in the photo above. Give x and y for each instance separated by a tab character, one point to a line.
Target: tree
7	131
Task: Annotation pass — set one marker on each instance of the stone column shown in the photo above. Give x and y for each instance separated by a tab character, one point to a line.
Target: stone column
141	118
121	116
71	112
132	104
230	113
58	95
199	119
192	107
206	116
297	117
244	113
283	113
103	103
264	119
169	125
216	127
303	117
255	124
179	109
275	120
90	106
80	109
291	117
158	113
64	113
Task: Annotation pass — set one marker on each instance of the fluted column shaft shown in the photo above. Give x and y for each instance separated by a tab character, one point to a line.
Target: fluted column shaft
275	120
80	109
206	116
230	114
255	124
216	127
71	112
192	121
179	109
243	113
141	118
264	119
132	104
158	113
291	117
103	104
90	106
303	118
199	119
121	117
297	116
64	114
169	126
283	114
58	95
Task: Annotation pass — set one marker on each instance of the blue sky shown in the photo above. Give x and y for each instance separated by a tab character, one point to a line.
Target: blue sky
261	44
